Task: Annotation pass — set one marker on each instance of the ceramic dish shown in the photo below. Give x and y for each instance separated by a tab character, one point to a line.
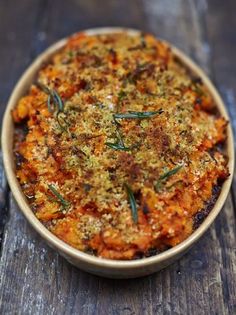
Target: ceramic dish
92	264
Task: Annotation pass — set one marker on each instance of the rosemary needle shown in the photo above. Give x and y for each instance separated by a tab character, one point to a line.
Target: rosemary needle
132	202
59	197
167	175
137	115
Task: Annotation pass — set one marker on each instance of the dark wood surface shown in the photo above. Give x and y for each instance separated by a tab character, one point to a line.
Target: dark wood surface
33	278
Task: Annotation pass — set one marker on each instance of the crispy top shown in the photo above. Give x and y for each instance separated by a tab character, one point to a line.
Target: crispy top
121	149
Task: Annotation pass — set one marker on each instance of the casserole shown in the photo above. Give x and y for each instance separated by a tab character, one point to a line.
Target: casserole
85	261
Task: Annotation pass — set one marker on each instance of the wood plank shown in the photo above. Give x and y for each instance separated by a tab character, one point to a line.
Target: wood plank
223	63
44	283
16	37
221	26
73	293
4	195
14	62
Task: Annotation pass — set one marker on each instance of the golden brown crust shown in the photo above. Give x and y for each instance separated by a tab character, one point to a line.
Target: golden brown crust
121	149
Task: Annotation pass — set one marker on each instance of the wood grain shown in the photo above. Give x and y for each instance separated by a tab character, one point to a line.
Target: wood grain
36	280
4	202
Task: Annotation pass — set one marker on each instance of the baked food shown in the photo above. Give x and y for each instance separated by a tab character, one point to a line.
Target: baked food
121	153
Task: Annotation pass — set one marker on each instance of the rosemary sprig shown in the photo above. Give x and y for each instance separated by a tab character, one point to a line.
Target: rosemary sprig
137	115
54	100
171	172
120	146
166	175
116	146
55	104
132	202
60	199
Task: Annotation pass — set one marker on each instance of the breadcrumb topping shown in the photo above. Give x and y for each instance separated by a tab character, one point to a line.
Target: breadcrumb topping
121	149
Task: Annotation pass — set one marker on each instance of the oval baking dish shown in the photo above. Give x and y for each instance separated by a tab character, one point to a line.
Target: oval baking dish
97	265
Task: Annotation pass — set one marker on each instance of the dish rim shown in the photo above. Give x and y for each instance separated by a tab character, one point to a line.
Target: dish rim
20	89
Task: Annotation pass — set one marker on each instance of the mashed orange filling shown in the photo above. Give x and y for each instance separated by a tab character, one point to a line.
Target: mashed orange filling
117	146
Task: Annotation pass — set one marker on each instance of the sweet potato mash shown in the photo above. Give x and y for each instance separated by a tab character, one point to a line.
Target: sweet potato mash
118	146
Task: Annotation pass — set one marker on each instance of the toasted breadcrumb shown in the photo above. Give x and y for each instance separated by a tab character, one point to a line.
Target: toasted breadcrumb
76	156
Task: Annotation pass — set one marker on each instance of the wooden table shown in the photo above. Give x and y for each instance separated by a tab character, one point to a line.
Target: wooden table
36	280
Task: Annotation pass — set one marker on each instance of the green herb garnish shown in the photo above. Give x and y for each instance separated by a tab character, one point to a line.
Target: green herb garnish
117	146
132	202
65	204
166	175
54	100
171	172
55	104
120	146
137	115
